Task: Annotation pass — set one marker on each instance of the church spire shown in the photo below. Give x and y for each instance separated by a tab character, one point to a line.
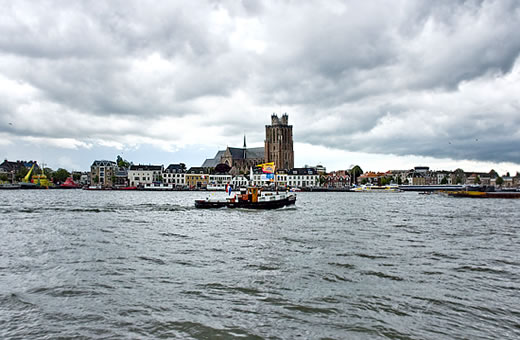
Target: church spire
245	141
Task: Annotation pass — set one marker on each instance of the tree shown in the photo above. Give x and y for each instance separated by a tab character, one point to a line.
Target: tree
222	168
444	181
493	174
21	173
399	180
76	176
322	180
364	181
61	175
122	163
3	177
477	180
458	180
355	172
96	179
48	172
500	181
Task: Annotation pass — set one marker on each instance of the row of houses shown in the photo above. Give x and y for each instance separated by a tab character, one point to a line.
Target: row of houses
109	174
422	175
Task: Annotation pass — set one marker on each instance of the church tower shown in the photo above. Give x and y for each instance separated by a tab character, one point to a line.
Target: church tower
279	142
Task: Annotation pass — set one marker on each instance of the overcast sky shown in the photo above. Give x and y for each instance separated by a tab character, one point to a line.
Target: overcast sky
382	84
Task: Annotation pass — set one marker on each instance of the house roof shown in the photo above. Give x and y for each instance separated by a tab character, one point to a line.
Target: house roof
142	167
197	170
103	163
8	166
176	168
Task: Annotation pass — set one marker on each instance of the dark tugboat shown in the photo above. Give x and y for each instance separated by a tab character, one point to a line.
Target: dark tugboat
251	198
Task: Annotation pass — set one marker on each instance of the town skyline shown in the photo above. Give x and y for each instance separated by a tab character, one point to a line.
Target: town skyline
380	85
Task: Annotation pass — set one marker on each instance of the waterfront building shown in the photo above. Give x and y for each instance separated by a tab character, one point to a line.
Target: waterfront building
120	177
373	178
10	169
175	174
279	142
197	178
239	181
303	178
140	174
338	179
102	172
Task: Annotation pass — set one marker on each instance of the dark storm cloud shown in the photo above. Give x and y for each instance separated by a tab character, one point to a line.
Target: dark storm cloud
406	77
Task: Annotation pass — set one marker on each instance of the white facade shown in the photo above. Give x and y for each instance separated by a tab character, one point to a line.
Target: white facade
177	179
219	182
239	181
303	181
141	175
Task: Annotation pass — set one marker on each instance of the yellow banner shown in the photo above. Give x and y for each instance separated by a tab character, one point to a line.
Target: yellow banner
268	168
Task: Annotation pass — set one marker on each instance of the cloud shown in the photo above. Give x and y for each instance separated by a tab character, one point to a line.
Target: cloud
435	79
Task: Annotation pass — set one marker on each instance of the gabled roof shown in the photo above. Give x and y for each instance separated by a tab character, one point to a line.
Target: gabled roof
103	163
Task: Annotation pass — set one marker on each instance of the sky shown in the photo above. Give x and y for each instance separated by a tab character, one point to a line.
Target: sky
382	84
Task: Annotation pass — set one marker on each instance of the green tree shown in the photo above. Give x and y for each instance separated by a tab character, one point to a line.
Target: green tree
76	176
3	177
61	175
113	179
458	180
21	173
322	180
355	172
96	179
493	174
48	173
123	163
399	180
364	181
477	180
444	181
500	181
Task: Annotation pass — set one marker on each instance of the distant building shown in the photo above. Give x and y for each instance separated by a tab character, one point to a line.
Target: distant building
175	174
303	177
239	159
101	172
144	174
121	177
197	178
338	179
279	142
10	169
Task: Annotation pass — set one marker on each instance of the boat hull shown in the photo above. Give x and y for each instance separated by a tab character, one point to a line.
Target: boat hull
205	204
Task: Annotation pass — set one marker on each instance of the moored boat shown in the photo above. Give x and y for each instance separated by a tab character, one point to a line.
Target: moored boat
484	194
251	198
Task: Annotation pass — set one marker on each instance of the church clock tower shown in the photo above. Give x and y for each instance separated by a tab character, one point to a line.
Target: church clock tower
279	142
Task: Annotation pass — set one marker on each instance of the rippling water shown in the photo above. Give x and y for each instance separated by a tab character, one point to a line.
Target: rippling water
338	265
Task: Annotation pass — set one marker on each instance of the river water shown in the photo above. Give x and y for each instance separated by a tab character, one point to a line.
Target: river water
117	265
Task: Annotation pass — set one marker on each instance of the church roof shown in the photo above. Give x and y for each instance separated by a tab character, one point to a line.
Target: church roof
238	153
213	162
